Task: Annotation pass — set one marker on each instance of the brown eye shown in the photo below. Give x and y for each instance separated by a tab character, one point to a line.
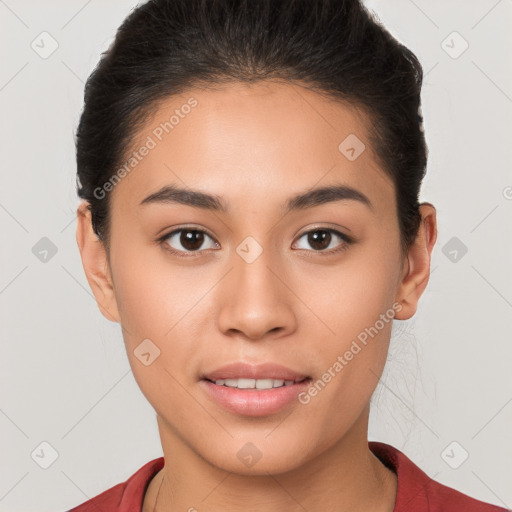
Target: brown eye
186	240
320	239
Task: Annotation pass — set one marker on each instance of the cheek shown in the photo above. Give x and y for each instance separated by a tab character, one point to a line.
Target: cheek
354	303
141	300
160	302
350	295
149	292
157	307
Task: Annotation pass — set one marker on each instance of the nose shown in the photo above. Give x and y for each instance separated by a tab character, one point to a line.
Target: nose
256	300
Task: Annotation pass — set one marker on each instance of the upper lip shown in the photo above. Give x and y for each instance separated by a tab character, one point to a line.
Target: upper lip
240	370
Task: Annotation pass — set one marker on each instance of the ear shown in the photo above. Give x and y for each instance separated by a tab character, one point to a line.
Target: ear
416	272
96	264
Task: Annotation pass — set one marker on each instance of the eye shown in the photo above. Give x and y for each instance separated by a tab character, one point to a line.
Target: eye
322	238
191	240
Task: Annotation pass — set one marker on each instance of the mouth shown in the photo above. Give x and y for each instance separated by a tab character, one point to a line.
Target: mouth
255	397
254	389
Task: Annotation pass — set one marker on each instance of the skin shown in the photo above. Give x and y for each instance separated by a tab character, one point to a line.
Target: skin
256	146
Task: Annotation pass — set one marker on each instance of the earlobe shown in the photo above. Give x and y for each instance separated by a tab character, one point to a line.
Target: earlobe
417	268
95	263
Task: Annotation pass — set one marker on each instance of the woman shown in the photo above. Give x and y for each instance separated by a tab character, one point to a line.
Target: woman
250	173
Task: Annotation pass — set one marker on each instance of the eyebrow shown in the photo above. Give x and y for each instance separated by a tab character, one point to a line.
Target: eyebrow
302	201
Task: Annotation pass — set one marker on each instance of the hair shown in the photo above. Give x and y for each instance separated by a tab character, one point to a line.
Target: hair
334	47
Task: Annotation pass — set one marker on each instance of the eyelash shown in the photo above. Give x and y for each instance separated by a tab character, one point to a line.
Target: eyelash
347	241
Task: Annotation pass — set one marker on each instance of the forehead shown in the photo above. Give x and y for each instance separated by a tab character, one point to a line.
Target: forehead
258	142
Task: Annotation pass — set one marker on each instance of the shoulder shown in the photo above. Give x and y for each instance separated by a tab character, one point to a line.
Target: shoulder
418	492
126	496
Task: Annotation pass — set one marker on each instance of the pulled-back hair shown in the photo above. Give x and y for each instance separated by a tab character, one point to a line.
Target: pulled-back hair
336	47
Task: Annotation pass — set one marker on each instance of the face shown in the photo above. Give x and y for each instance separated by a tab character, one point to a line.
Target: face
310	284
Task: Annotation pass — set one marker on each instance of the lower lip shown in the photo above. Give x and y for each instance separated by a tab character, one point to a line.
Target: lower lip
254	402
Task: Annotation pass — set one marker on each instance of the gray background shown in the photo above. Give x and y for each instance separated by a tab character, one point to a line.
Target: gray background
64	374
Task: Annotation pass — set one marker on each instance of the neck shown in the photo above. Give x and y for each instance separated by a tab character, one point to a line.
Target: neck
343	477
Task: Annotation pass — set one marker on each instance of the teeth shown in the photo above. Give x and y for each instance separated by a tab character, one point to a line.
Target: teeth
253	383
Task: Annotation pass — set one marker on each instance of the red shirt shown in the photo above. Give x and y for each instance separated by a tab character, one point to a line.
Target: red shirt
416	492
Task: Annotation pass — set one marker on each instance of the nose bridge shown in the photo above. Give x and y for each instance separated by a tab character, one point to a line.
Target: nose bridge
252	272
